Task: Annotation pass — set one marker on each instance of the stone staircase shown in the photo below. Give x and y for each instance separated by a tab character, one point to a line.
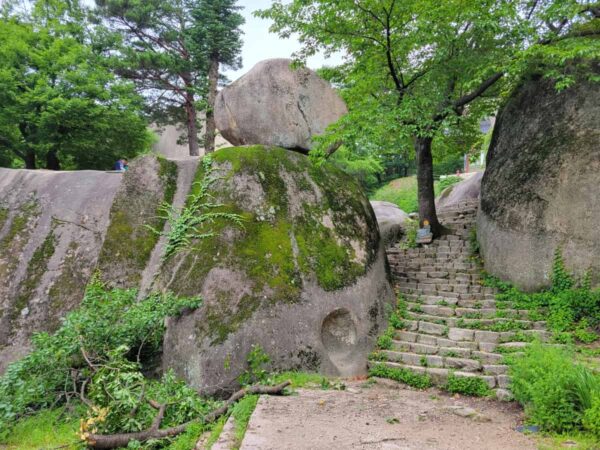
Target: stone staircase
453	324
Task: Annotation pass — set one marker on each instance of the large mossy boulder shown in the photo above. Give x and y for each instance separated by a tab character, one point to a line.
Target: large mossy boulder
541	187
305	277
277	104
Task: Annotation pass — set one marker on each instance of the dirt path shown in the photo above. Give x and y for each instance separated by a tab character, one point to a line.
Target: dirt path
383	416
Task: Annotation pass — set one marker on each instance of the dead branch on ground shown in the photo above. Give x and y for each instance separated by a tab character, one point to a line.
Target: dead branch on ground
109	441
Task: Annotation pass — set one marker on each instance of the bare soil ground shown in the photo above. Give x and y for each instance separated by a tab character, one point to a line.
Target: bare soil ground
384	415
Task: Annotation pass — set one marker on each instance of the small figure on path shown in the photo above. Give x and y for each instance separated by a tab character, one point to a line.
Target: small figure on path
121	165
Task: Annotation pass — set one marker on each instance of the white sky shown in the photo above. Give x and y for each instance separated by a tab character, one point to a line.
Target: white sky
259	44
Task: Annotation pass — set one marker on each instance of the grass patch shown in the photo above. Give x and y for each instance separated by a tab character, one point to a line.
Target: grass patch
475	386
47	429
216	432
242	412
403	192
402	375
576	441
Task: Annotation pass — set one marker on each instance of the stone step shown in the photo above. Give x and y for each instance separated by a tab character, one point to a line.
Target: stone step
430	360
446	309
451	349
439	376
474	324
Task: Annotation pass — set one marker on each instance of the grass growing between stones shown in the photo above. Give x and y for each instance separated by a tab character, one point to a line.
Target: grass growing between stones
474	386
402	375
242	412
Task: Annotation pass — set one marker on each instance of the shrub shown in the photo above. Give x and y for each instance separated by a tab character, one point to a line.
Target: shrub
56	367
475	386
553	389
591	417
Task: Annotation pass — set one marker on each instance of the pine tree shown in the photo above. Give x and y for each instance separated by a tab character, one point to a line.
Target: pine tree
216	33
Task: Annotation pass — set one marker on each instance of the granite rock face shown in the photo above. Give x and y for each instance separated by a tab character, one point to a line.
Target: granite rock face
304	278
391	220
540	190
275	104
466	191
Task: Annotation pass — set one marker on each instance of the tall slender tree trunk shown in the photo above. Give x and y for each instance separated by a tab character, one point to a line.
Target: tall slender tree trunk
426	193
192	127
30	159
211	128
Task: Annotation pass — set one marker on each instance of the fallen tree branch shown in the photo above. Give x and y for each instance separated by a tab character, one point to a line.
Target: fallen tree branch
109	441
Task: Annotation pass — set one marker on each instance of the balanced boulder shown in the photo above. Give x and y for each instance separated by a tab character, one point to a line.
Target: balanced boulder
540	190
391	220
303	276
276	104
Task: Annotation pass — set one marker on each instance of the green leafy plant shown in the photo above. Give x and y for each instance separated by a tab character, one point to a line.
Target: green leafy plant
410	238
385	341
60	363
447	182
474	242
562	280
402	375
554	390
591	416
193	220
474	386
258	362
396	322
121	398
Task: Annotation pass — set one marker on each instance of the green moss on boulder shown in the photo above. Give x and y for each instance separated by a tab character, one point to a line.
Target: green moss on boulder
150	182
309	235
301	222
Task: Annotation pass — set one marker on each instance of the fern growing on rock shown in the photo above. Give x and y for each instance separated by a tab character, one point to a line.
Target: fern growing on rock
191	222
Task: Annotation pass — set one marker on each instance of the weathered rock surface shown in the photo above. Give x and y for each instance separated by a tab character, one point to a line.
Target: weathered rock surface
52	225
464	192
277	105
57	228
390	219
540	190
305	278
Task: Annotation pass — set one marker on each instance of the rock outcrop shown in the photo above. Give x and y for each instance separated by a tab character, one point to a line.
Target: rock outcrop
461	193
275	104
52	225
304	277
540	190
391	220
57	228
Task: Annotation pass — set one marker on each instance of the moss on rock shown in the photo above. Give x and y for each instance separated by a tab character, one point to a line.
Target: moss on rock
150	183
303	224
38	265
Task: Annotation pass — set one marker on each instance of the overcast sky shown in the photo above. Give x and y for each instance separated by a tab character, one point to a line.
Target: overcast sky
259	44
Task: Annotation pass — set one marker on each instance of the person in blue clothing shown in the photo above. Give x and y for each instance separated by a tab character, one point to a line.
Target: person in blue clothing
121	165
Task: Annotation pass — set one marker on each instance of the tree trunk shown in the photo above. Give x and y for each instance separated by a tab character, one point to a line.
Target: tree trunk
192	127
211	128
30	160
426	194
52	161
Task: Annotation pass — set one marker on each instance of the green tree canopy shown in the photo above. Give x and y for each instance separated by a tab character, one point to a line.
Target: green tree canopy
427	66
57	100
216	34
